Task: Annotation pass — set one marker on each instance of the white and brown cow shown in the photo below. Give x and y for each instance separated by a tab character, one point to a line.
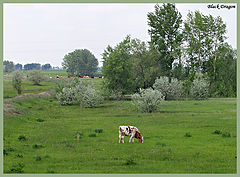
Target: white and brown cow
131	131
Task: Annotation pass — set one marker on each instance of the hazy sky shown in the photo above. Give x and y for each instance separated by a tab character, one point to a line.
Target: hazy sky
45	33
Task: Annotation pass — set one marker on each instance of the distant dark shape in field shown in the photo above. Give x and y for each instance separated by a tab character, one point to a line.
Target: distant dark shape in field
131	131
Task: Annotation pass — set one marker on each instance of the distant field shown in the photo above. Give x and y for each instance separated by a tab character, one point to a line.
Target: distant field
51	145
28	87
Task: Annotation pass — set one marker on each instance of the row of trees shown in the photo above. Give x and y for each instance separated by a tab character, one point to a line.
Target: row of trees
10	66
177	50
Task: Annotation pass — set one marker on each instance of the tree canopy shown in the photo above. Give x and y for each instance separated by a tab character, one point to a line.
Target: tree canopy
165	32
80	62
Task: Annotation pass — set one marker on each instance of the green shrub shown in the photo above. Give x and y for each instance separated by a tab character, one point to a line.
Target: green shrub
40	120
217	132
5	152
148	100
226	135
20	156
170	90
130	161
36	77
92	135
199	88
188	134
17	78
22	138
99	130
18	168
36	146
38	158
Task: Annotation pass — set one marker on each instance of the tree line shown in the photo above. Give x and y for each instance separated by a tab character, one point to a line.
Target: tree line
177	49
9	66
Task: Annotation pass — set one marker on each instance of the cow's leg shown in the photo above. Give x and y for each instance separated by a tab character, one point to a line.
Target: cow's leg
119	139
130	138
123	139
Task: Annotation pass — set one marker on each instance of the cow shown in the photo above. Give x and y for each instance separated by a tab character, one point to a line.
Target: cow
131	131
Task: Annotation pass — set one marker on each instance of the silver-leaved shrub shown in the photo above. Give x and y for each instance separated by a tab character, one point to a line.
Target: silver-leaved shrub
90	98
170	90
79	92
67	96
148	100
17	78
199	89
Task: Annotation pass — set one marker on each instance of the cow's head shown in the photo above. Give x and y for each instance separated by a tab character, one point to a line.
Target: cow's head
139	137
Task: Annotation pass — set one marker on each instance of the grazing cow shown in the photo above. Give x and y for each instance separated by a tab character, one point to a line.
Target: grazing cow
131	131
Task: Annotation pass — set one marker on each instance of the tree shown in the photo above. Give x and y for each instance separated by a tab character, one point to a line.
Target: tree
18	66
117	67
80	62
17	78
198	42
217	31
46	67
224	79
165	31
32	66
145	64
8	66
36	77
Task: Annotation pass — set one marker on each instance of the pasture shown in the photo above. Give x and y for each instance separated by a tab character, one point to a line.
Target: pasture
183	137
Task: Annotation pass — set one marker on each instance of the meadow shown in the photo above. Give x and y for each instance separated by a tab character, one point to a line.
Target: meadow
186	136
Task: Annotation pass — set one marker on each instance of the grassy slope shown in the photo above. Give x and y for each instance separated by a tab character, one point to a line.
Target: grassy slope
165	149
28	87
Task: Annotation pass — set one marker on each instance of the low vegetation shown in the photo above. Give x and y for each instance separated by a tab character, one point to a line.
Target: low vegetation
148	100
52	146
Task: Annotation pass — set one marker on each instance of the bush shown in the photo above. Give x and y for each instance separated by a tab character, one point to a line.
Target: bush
217	132
22	138
92	135
188	134
40	120
130	161
67	96
17	78
199	88
20	156
36	146
78	92
170	90
38	158
148	100
99	130
36	77
90	98
226	135
18	168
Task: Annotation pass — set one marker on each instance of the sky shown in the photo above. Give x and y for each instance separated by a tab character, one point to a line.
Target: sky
45	33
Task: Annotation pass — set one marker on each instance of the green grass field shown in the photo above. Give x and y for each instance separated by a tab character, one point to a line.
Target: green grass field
41	137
